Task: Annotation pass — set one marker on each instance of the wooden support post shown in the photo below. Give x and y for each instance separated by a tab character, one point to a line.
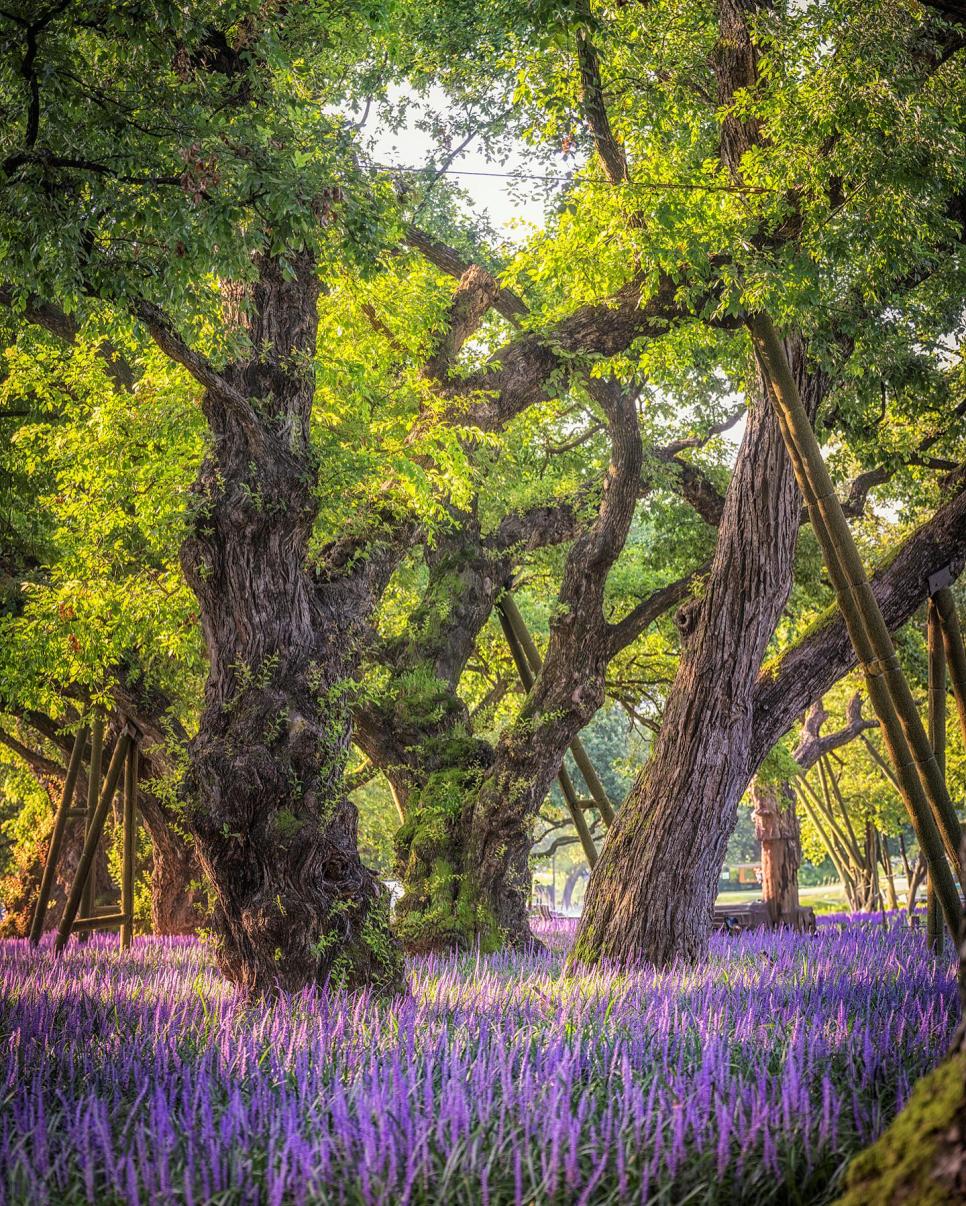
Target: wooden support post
889	875
923	787
953	648
93	789
128	861
86	863
937	736
522	664
584	764
776	828
577	814
64	813
102	921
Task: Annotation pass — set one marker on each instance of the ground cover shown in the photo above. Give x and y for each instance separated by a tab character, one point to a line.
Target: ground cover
500	1079
823	898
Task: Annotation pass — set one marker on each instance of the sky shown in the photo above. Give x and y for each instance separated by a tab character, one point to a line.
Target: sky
491	191
495	195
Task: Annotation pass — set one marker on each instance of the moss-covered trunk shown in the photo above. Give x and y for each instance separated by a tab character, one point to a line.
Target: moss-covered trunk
442	906
264	790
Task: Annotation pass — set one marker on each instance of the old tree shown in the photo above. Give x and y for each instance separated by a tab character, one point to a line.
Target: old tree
274	393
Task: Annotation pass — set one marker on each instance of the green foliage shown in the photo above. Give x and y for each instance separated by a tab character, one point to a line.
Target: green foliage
228	145
378	822
161	167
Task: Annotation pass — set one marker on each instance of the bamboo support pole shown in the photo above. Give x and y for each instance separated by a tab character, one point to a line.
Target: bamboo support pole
880	761
872	861
592	779
848	841
86	863
834	855
837	792
93	788
936	694
923	788
401	812
886	858
903	855
584	764
518	653
953	648
129	859
846	855
64	813
101	921
578	816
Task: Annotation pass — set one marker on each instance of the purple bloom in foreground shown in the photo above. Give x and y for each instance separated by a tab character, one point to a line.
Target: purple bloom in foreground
137	1078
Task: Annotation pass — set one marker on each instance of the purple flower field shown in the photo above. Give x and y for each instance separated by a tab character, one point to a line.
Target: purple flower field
753	1079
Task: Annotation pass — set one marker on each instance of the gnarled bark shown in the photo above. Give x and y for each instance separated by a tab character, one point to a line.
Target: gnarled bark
264	790
178	901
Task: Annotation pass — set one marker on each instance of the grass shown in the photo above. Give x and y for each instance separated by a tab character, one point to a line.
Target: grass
749	1080
823	898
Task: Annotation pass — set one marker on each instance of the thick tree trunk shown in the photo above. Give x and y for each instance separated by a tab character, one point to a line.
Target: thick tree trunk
652	892
490	864
264	791
776	827
178	901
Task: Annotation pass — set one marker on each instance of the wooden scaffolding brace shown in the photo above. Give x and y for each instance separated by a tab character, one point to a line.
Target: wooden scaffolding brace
80	915
528	663
946	653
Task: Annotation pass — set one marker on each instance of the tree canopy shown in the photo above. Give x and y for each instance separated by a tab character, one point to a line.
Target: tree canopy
284	424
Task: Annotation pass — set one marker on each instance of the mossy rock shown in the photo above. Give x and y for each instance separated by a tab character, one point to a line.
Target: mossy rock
921	1159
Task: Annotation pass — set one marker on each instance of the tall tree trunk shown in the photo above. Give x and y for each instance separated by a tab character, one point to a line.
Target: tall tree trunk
178	901
652	892
264	790
776	827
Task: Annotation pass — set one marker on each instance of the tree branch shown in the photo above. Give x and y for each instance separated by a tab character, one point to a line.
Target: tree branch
861	486
539	527
53	319
696	488
785	689
474	295
162	331
34	760
609	150
533	367
812	746
506	302
628	629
